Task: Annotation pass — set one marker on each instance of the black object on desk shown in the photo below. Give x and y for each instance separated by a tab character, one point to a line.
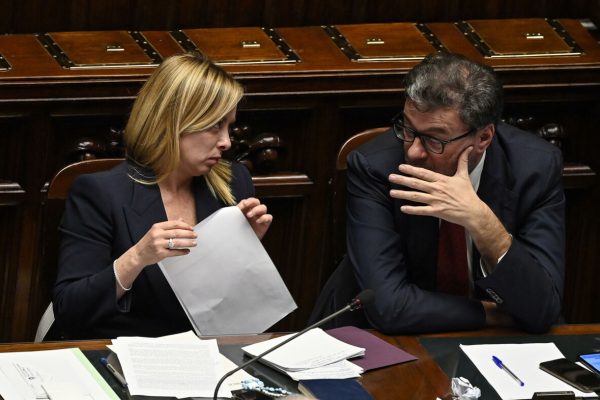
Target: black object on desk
454	362
116	372
94	357
553	396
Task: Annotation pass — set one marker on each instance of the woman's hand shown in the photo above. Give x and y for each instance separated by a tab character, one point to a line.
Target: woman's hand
154	247
257	216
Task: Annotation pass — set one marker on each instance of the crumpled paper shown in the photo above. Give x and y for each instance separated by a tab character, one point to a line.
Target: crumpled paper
463	390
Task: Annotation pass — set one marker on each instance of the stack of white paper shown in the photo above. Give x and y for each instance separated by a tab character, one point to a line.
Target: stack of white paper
523	360
179	365
64	374
314	355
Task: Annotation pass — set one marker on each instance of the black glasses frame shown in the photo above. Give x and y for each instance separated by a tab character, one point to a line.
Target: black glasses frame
399	127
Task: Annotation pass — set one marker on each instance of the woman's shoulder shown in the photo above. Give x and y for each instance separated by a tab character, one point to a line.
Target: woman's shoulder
108	180
239	169
241	182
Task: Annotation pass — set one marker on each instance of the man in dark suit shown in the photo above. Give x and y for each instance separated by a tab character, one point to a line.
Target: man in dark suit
448	164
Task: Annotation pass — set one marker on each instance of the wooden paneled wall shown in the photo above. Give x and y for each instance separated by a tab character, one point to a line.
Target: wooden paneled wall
50	116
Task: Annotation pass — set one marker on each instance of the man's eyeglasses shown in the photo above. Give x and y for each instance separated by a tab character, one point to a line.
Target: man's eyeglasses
431	144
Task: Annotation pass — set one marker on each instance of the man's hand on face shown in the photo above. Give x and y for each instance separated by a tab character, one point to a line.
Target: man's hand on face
453	199
448	197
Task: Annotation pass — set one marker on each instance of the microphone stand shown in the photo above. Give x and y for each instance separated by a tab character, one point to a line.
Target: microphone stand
354	305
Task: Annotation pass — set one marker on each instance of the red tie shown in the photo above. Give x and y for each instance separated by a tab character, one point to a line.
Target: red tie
452	267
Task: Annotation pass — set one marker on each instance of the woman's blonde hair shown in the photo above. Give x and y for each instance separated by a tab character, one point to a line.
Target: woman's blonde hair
186	93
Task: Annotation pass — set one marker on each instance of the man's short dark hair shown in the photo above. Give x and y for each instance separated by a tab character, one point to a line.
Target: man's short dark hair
451	80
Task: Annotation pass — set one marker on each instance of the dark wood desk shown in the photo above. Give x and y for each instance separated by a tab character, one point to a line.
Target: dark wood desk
420	379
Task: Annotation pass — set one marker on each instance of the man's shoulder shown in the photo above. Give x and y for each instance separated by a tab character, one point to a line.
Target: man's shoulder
520	142
384	151
523	155
380	143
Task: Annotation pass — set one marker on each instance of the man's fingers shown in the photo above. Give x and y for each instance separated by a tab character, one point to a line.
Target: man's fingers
421	173
417	210
463	162
410	182
409	195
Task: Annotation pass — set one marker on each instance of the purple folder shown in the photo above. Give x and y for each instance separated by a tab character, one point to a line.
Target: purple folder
378	352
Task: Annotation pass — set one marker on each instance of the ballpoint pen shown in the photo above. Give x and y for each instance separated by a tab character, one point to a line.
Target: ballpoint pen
501	365
114	372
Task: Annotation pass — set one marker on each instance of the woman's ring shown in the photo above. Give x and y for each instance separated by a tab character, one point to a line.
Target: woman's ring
171	244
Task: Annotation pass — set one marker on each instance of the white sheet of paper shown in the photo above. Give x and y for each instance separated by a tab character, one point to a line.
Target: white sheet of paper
339	370
154	367
50	373
313	349
227	283
233	382
523	360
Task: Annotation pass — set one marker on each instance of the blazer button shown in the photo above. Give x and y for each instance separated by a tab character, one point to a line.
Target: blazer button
494	296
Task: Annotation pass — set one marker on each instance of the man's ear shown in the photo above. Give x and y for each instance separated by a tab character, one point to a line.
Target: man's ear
485	137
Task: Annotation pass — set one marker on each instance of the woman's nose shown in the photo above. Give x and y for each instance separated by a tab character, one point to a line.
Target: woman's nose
224	142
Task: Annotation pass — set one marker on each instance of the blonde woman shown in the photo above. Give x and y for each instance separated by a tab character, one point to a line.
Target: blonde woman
118	224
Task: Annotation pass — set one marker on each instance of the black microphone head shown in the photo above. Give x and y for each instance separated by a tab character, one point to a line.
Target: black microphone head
366	297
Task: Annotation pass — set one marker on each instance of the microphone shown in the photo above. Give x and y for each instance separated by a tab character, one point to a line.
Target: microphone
365	297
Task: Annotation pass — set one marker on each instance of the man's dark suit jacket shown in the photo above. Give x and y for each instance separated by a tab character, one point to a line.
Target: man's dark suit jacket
106	214
395	253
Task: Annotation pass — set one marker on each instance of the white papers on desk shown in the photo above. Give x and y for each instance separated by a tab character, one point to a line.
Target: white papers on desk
179	365
64	374
314	355
339	370
227	284
523	360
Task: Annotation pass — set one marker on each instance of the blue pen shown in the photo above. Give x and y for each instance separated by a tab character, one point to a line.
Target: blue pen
501	365
114	372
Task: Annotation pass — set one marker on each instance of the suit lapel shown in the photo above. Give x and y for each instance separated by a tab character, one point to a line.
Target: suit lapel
496	187
496	190
145	210
146	207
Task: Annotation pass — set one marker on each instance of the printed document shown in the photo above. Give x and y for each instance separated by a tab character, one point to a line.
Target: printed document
314	355
64	374
162	367
523	360
227	284
194	385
